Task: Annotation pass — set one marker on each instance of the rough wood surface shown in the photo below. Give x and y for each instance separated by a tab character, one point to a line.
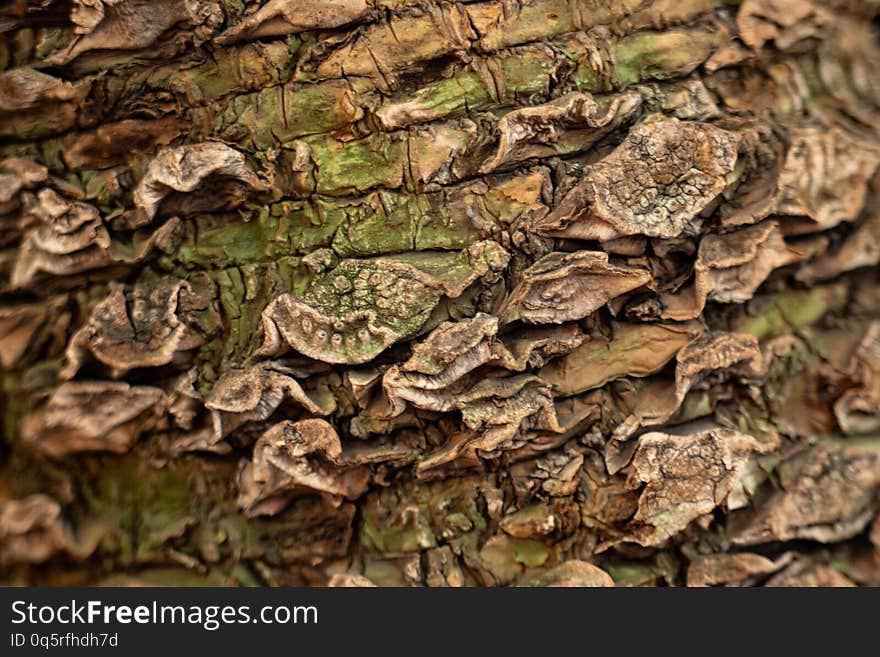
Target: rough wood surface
440	292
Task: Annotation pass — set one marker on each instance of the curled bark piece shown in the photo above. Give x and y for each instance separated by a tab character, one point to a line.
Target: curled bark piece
730	268
352	314
26	89
186	168
637	350
42	252
149	335
685	477
710	357
16	175
753	196
572	573
33	103
113	144
92	416
134	24
184	401
86	14
500	410
655	183
253	394
803	573
858	409
567	286
847	61
783	22
731	354
440	366
825	178
523	132
31	530
534	346
280	17
65	238
59	237
827	494
860	249
362	382
498	415
292	459
349	580
731	569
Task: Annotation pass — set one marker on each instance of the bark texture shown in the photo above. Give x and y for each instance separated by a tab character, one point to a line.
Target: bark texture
437	292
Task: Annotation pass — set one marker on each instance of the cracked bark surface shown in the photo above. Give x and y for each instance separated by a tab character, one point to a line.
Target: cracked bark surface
440	293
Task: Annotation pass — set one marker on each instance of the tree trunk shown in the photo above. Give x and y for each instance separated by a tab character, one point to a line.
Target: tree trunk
440	292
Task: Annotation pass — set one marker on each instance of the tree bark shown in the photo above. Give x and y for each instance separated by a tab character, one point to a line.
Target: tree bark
440	292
